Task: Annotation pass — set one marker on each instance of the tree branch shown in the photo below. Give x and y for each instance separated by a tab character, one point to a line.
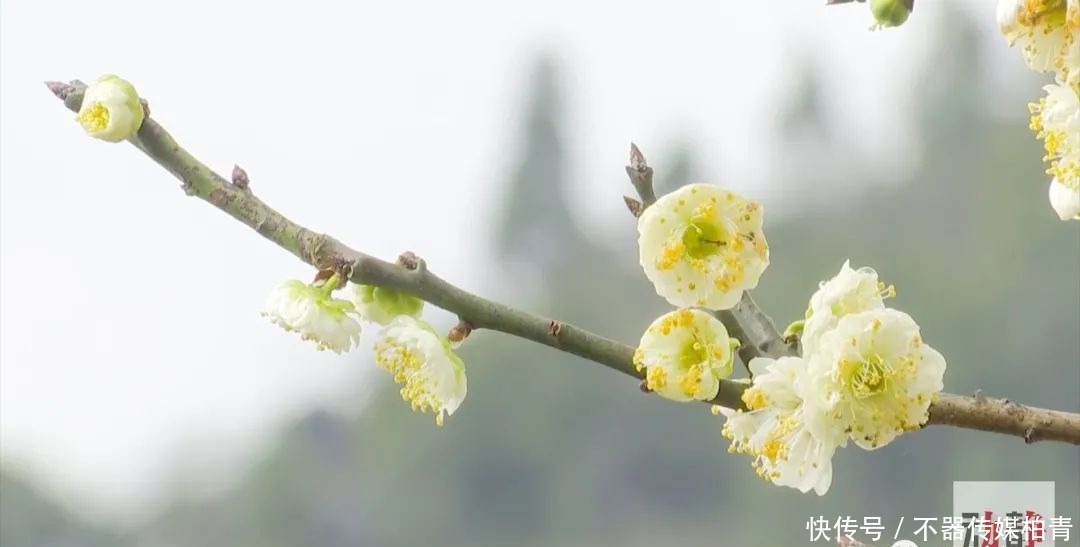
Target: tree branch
411	276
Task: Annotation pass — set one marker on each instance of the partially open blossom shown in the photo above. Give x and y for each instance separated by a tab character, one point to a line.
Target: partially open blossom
431	375
778	430
312	311
849	291
1056	120
874	377
702	246
684	354
381	305
1046	31
110	109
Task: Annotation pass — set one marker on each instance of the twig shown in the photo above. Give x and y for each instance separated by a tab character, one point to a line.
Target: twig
325	252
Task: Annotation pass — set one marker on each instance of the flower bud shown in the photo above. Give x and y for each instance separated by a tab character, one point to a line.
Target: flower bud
890	13
110	109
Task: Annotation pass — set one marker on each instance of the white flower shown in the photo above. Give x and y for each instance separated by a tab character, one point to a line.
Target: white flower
1046	30
684	354
874	377
1065	200
778	429
702	246
850	291
381	305
432	377
110	109
312	311
1056	120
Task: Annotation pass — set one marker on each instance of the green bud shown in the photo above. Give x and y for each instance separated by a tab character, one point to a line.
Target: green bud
381	305
891	13
794	329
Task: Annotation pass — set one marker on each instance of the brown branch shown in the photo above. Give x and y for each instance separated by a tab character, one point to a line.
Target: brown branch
411	276
1005	416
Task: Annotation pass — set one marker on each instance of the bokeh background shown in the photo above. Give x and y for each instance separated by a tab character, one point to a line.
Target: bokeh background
143	401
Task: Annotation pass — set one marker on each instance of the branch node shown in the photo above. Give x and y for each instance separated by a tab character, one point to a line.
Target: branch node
219	198
635	206
554	328
240	178
644	386
460	332
1029	435
410	261
322	275
342	266
980	397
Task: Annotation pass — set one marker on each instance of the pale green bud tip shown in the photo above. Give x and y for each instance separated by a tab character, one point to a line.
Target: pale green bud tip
795	328
111	110
890	13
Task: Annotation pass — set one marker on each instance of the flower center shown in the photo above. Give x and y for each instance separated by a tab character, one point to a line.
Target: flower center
95	118
1049	12
693	353
692	360
865	378
703	238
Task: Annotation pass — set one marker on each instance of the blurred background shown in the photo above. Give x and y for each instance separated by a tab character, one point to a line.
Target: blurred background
143	401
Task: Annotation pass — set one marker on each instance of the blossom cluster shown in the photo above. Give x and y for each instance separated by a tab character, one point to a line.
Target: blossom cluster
431	375
864	375
1048	34
702	247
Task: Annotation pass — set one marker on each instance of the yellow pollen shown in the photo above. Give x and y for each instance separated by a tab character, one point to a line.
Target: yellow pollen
95	118
684	318
691	382
656	378
672	253
706	210
772	450
404	364
754	399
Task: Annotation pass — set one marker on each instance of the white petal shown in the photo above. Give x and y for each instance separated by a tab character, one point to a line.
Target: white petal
1065	201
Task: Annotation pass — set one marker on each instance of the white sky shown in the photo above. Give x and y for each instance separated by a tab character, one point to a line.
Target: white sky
130	334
